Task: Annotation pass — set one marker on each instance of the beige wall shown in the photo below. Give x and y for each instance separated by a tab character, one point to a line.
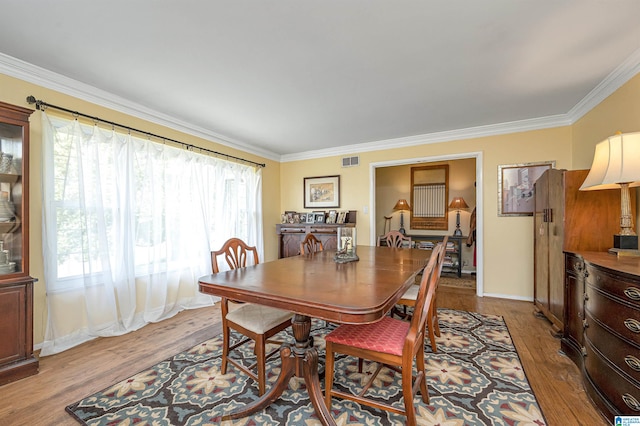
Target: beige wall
15	92
619	112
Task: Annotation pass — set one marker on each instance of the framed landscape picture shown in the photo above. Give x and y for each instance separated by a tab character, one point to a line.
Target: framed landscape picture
321	192
515	187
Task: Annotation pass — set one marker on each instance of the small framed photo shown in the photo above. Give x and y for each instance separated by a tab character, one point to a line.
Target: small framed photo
318	217
310	218
321	191
289	215
332	217
296	218
342	217
303	218
515	187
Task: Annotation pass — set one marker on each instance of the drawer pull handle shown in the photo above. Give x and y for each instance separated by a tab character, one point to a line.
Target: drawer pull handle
632	324
584	351
632	293
578	266
632	362
585	324
631	402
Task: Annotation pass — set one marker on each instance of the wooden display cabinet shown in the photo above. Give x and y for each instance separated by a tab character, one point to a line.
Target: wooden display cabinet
16	286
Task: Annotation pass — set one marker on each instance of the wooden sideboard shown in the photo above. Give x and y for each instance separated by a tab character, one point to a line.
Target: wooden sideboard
290	235
602	328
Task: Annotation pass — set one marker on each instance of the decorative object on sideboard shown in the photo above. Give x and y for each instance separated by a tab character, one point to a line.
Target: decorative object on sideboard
346	250
458	204
616	164
402	205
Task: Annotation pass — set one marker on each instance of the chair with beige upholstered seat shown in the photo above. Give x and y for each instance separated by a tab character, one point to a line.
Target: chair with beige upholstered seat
310	244
388	342
394	239
256	322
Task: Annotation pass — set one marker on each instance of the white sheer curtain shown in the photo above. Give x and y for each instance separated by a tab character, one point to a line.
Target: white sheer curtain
128	226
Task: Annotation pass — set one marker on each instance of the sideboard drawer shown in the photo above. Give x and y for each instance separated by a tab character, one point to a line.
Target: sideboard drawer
573	264
626	290
619	318
618	352
623	393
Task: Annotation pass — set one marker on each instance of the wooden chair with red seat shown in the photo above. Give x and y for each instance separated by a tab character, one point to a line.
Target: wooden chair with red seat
389	342
256	322
409	299
310	244
394	239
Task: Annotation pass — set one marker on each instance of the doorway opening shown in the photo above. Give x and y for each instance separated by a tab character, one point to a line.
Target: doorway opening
477	156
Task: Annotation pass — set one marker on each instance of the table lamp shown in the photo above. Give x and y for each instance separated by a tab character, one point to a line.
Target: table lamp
402	205
457	204
616	164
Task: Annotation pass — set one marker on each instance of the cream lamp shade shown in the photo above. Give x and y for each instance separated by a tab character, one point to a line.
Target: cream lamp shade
616	164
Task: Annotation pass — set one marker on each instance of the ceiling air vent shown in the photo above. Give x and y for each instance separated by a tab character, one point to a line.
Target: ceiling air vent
350	161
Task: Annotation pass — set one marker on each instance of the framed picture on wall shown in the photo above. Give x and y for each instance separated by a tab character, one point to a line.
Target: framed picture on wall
321	191
515	187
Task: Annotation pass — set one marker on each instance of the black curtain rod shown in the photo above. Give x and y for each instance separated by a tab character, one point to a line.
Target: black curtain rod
41	105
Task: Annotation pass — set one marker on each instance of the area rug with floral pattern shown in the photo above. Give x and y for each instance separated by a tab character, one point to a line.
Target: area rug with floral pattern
475	378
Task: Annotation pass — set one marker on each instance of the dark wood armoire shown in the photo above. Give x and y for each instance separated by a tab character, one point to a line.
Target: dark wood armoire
568	219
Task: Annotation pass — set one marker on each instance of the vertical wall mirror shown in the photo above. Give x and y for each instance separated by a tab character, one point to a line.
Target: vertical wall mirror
429	195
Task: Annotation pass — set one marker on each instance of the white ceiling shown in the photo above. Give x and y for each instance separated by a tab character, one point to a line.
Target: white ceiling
288	77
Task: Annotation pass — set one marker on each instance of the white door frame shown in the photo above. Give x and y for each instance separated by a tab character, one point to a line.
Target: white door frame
479	202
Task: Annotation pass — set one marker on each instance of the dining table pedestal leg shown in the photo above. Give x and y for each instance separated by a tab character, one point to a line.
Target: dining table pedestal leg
299	359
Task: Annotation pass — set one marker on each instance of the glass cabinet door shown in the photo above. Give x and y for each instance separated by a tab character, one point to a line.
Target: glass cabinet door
14	136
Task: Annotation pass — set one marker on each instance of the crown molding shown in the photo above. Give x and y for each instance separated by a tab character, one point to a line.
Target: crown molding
30	73
430	138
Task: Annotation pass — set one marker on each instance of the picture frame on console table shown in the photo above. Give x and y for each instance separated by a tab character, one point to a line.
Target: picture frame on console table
321	192
515	187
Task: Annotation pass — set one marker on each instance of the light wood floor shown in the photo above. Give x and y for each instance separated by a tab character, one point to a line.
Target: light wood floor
68	377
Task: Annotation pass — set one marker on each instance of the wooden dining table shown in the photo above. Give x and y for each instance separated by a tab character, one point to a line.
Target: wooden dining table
315	286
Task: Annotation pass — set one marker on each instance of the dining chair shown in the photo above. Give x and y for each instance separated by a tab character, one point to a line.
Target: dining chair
409	300
393	239
310	244
389	342
256	322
